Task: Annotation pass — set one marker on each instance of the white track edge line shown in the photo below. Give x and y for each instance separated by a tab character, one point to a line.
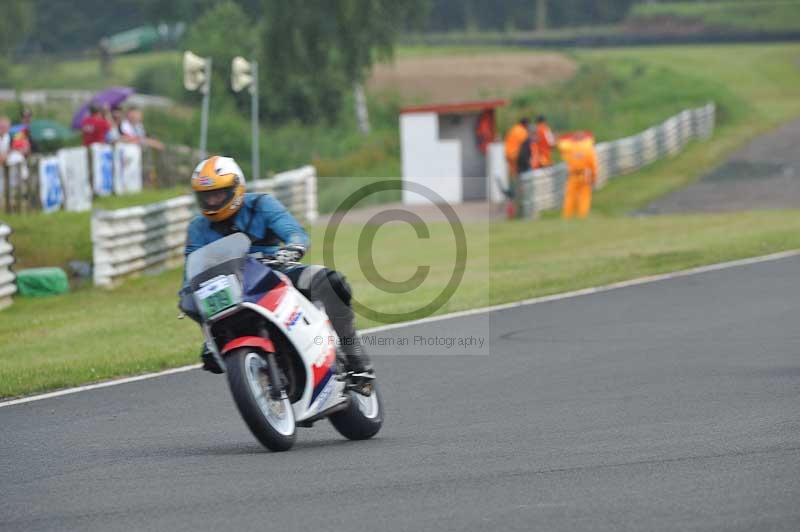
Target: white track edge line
104	384
590	290
453	315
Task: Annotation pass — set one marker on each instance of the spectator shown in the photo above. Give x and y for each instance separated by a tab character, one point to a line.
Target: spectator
115	121
132	130
94	127
13	149
579	154
528	156
545	141
26	116
485	130
5	139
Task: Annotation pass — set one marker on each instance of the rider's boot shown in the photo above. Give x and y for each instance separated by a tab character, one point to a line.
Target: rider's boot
356	358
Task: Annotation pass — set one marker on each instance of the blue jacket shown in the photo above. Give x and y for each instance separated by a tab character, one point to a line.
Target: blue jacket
265	220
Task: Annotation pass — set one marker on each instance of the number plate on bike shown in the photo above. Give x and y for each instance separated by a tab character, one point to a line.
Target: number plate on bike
216	295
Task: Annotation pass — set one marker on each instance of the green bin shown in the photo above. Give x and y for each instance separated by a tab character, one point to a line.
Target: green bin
37	282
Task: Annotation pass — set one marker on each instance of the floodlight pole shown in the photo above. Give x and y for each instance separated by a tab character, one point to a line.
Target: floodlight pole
204	113
254	119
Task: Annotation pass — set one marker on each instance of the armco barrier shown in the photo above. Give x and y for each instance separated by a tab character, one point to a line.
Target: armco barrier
152	237
544	189
7	285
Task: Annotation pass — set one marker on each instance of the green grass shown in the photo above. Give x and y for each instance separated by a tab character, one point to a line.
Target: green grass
616	97
56	238
764	15
613	96
148	195
94	334
48	73
748	105
49	239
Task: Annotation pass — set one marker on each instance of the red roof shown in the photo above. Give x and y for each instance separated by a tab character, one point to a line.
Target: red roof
455	108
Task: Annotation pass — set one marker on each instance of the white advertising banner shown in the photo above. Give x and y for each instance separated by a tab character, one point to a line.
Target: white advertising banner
103	169
127	168
51	192
75	177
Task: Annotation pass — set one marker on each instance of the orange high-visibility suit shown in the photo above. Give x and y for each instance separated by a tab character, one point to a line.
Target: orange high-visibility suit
544	143
581	158
514	139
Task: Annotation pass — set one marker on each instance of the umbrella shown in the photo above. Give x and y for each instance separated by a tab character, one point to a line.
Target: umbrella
49	130
110	97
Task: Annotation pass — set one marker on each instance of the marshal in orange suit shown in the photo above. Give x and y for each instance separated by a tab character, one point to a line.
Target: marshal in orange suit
545	141
577	150
513	141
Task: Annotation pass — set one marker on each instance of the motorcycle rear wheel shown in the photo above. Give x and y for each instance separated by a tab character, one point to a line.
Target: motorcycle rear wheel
363	417
271	421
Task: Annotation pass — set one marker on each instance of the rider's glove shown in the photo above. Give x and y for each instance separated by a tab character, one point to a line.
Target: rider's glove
290	253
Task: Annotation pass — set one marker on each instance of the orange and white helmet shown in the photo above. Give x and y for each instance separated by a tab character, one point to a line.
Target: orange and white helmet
218	185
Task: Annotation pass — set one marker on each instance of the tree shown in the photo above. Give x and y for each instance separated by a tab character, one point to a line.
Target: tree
313	52
15	23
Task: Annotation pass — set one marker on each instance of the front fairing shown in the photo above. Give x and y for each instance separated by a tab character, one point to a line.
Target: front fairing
225	257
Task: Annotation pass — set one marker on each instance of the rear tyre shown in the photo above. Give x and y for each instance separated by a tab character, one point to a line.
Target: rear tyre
271	421
363	417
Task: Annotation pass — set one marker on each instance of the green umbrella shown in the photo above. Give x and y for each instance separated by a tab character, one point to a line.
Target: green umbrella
49	131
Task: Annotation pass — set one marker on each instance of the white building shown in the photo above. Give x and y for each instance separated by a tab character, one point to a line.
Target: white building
451	149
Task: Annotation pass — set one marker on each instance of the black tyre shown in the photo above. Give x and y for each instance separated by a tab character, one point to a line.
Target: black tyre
271	422
363	417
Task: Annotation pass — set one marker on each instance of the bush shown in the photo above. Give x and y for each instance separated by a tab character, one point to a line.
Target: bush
161	78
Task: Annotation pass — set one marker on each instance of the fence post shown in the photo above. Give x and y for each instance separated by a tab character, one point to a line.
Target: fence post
6	189
33	175
18	189
524	195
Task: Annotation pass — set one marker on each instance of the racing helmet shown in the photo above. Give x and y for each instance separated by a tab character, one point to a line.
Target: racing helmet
218	185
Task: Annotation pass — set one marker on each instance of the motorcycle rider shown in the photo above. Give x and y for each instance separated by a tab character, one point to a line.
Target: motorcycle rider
219	188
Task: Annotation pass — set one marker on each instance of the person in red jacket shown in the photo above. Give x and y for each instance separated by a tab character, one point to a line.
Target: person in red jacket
94	127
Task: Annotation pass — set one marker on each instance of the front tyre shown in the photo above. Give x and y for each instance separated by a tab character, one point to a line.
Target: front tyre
363	417
271	421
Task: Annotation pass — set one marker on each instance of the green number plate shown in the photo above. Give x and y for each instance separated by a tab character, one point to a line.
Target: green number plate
216	296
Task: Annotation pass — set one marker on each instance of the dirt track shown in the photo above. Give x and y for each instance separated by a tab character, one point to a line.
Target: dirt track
765	174
450	78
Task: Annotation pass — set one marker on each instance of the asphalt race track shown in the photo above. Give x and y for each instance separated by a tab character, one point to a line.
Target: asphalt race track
672	405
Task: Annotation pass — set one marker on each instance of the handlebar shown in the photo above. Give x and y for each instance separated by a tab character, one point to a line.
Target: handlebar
273	262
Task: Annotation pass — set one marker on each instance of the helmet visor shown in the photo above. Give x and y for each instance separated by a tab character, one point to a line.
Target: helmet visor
214	200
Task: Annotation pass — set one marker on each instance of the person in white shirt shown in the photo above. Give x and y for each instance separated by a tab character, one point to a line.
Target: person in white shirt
5	138
132	130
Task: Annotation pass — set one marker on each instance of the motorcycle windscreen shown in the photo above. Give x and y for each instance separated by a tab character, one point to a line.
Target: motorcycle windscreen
231	247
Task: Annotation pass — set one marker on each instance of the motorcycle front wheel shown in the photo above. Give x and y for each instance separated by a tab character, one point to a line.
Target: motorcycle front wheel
271	421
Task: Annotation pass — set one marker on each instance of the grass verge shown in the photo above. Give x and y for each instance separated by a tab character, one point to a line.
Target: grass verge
95	334
747	105
56	238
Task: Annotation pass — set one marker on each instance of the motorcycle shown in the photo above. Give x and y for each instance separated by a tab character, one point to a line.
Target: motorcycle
278	349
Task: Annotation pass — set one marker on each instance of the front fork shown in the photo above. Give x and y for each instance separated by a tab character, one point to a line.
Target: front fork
211	346
276	391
